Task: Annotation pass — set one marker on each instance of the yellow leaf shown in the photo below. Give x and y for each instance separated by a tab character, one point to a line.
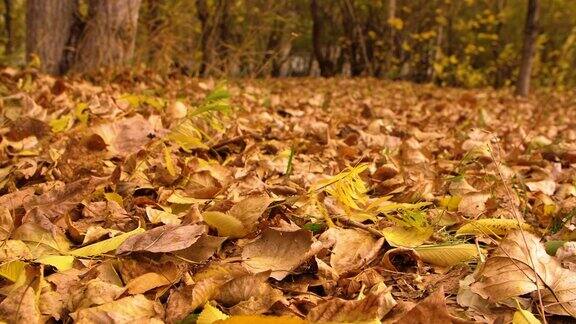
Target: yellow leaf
447	255
60	124
225	224
60	262
522	316
187	136
13	270
491	226
104	246
210	314
346	187
80	112
178	198
261	319
39	240
112	196
169	162
160	216
450	202
406	236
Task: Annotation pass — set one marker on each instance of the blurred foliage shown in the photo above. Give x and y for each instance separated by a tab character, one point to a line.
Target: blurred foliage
471	43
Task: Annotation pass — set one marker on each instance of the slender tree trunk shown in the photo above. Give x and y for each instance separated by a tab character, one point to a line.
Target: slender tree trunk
48	27
528	48
109	35
327	67
204	17
154	23
8	27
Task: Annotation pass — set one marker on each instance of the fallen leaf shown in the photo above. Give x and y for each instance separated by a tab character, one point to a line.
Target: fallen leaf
352	248
473	204
407	236
240	219
510	272
210	314
160	216
547	186
279	251
167	238
151	280
249	294
105	246
377	303
126	135
492	226
130	309
447	255
431	310
20	307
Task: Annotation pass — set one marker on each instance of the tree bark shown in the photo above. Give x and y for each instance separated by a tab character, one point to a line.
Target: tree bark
109	35
8	27
215	34
528	48
48	27
327	67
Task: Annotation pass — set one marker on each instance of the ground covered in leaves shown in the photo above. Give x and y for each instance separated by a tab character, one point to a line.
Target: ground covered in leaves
167	199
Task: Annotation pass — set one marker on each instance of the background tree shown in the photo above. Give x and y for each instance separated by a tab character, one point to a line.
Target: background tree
63	40
48	31
471	43
109	35
528	47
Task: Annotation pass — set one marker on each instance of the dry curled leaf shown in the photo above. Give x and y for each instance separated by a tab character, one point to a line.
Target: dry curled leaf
512	270
377	303
279	251
167	238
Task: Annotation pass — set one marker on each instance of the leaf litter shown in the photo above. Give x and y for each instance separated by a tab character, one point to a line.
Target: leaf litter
180	200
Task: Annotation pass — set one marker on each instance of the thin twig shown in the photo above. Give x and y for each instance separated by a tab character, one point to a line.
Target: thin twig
354	223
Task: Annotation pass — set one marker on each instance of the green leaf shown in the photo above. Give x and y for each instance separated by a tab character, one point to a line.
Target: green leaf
553	246
217	100
447	255
104	246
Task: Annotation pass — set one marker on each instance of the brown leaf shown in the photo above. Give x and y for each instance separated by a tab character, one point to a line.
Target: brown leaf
352	248
249	294
431	310
167	238
20	307
377	303
131	309
279	251
509	272
207	284
125	136
92	293
250	209
202	249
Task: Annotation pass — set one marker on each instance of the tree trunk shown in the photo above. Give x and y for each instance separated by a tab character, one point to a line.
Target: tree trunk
215	34
327	67
8	27
109	35
528	48
48	27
